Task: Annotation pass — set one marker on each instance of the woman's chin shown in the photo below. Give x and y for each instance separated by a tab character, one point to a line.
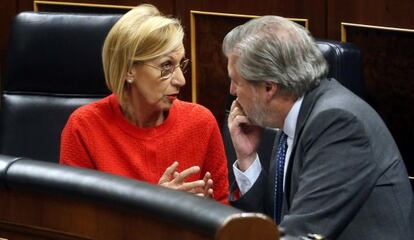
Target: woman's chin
171	99
167	102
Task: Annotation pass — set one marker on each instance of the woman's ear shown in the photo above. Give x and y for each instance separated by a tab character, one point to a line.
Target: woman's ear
130	75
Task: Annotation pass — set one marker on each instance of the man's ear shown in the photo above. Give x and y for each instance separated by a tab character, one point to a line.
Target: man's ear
270	89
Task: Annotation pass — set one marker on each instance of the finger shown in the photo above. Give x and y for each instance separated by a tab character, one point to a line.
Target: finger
233	105
237	116
207	176
197	190
187	172
166	176
171	168
208	187
207	179
210	193
235	125
241	119
234	109
192	186
238	107
209	183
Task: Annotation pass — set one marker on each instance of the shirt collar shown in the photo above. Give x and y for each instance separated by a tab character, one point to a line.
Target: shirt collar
289	126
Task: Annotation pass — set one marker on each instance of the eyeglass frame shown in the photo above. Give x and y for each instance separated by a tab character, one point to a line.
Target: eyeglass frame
183	65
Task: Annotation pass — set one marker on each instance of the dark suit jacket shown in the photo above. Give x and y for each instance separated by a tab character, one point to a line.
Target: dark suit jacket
346	178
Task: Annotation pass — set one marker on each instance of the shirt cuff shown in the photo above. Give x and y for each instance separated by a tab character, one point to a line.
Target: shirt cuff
246	179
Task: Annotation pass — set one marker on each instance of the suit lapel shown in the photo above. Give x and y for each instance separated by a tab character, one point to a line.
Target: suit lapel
308	103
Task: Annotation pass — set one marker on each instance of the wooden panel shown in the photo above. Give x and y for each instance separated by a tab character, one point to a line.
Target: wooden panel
312	10
24	5
7	11
108	6
50	6
388	59
28	5
27	215
210	84
21	231
389	13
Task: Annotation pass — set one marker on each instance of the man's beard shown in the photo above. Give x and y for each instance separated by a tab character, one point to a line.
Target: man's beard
258	112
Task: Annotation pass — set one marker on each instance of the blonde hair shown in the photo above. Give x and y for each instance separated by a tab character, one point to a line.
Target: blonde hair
141	34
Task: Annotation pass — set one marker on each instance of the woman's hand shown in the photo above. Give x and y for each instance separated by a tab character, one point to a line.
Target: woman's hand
176	180
207	190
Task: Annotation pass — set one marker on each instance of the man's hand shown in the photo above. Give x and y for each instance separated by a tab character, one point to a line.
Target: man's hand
244	135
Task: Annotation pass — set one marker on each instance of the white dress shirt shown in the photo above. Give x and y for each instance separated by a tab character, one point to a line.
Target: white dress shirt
246	179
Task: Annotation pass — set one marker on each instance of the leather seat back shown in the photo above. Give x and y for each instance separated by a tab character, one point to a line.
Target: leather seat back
53	66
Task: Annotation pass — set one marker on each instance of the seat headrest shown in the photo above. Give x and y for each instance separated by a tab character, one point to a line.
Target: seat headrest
345	64
57	53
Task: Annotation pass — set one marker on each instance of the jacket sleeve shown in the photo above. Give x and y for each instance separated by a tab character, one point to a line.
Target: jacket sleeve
254	199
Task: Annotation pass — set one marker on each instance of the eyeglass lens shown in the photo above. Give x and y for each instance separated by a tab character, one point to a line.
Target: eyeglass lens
166	73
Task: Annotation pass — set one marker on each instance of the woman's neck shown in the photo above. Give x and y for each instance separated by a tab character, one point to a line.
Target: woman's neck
143	120
142	116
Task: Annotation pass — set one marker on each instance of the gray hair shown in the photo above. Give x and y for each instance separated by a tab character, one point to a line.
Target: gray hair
272	48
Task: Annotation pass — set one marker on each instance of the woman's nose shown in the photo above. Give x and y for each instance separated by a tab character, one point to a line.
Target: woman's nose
178	78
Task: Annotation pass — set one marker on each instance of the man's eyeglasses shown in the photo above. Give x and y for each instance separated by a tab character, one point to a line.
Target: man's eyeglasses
168	70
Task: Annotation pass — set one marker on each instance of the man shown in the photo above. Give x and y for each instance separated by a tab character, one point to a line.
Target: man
336	169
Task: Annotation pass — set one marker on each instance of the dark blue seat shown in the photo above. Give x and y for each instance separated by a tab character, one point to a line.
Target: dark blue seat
53	66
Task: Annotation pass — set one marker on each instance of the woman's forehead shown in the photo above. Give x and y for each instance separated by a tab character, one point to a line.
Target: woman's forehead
177	53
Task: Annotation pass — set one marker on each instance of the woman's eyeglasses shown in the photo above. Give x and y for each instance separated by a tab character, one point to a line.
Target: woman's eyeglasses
167	71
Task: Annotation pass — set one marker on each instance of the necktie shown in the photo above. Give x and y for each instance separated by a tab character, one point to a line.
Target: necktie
280	166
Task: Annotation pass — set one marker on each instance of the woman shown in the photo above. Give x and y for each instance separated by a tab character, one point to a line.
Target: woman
142	130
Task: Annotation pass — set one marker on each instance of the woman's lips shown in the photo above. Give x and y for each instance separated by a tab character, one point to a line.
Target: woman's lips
172	97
